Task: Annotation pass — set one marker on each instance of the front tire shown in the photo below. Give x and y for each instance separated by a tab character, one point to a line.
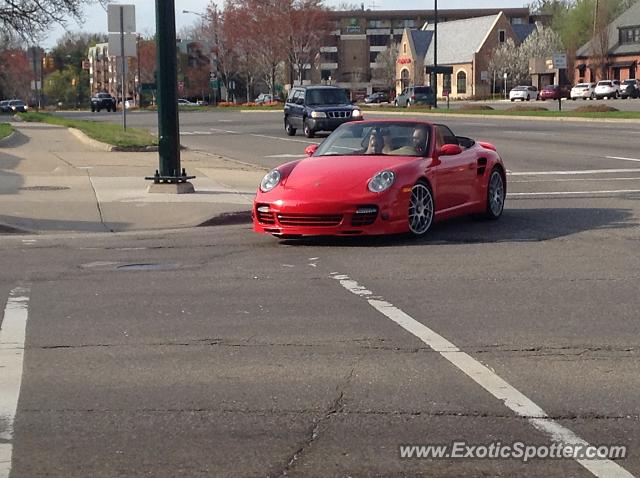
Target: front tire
290	130
308	132
421	209
495	195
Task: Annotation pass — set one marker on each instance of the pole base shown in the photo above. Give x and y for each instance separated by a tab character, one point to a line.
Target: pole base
184	187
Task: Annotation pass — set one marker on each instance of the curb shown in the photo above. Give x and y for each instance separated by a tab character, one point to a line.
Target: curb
7	139
228	219
506	117
83	138
5	229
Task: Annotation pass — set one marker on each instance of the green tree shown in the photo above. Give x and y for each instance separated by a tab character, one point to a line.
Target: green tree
69	86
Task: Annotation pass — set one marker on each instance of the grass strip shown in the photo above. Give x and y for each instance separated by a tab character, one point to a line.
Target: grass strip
110	133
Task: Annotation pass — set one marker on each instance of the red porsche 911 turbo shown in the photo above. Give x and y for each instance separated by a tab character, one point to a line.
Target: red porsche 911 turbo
381	177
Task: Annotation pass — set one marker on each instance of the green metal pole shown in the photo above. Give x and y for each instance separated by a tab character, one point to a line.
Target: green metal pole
168	127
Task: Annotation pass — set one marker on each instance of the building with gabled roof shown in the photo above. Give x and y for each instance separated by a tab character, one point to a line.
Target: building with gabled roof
465	45
620	57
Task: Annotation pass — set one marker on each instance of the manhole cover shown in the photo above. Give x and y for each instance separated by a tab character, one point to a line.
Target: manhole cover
44	188
157	266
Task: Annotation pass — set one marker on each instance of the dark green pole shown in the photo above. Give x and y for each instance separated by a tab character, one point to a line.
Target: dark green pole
434	83
168	127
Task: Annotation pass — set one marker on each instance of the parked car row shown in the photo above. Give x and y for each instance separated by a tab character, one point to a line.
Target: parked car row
13	106
610	89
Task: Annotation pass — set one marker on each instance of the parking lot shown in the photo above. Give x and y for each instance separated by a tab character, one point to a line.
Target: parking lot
218	352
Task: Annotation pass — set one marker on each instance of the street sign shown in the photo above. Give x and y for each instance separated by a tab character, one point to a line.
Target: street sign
129	18
559	61
115	48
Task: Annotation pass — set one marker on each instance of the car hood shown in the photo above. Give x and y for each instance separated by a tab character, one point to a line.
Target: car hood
330	174
346	106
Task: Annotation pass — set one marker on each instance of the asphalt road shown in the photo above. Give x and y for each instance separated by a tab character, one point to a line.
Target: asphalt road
217	352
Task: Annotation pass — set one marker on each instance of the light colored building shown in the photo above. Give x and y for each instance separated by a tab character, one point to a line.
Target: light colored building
620	57
464	45
105	73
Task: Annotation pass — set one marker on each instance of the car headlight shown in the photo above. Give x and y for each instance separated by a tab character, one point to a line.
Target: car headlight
318	114
356	113
26	107
381	181
270	180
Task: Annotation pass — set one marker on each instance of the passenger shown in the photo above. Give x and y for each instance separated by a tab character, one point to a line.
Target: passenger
376	142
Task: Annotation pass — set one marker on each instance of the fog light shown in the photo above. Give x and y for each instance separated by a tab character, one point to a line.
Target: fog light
263	209
366	210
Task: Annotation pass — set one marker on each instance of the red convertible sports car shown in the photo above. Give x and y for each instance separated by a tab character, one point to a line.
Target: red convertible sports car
381	177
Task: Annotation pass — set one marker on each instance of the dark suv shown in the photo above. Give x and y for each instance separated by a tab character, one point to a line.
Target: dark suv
103	101
318	108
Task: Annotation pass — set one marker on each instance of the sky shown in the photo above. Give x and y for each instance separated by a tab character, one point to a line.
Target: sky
95	16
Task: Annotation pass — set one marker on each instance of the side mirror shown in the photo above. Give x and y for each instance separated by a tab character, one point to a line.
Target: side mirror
450	150
311	149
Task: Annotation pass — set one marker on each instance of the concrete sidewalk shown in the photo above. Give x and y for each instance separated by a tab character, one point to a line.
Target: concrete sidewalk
50	181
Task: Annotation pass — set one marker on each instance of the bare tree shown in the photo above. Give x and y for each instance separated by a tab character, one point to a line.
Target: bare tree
31	18
386	65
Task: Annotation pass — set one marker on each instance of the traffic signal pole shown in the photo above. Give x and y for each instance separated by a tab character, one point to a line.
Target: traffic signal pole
169	177
434	82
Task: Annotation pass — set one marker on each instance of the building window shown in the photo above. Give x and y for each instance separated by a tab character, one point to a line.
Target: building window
378	24
502	36
404	77
329	57
461	80
630	35
404	48
446	82
373	55
378	40
404	24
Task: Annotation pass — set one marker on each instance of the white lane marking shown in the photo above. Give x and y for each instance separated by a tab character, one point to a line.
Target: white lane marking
573	193
569	173
486	378
283	139
224	131
285	156
195	133
623	158
573	180
12	335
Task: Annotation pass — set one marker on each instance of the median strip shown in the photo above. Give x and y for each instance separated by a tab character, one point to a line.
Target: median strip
132	139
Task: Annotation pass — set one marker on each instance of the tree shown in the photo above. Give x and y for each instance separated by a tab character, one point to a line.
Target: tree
31	18
308	27
15	74
67	86
386	65
514	59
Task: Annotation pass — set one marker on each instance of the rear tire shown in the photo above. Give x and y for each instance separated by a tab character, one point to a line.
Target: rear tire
495	195
290	130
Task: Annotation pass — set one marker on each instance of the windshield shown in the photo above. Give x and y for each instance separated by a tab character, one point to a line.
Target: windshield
17	103
604	83
379	138
329	96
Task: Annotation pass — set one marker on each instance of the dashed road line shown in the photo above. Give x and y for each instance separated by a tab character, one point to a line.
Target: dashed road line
623	158
12	336
486	378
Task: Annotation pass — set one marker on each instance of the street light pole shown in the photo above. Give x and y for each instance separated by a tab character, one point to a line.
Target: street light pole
169	174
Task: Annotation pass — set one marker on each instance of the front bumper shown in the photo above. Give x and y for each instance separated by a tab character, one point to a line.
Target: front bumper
328	219
329	124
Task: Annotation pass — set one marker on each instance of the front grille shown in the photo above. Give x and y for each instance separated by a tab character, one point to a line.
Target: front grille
338	114
314	220
364	216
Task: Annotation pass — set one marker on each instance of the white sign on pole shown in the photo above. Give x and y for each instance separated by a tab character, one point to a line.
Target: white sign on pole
129	18
129	45
559	61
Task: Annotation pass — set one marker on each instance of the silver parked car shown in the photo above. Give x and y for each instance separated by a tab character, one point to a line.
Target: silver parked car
415	95
583	90
524	93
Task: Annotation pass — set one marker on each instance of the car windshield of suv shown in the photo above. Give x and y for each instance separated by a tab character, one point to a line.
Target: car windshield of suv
422	90
327	96
379	139
104	95
17	103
